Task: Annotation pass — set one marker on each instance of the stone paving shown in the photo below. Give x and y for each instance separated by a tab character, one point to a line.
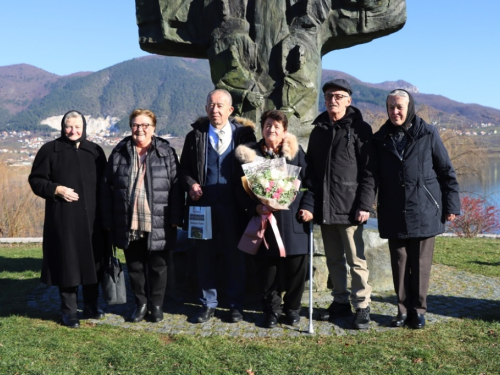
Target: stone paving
453	294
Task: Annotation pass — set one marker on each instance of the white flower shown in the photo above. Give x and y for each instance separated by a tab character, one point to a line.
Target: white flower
263	182
276	174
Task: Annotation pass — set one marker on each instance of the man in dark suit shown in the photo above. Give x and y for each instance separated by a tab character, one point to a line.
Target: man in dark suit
207	174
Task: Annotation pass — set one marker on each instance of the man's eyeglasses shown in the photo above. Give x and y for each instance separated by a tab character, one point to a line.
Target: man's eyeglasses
336	96
137	126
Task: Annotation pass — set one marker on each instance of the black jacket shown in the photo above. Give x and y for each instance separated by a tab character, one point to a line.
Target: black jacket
72	236
193	166
416	191
337	158
165	196
293	232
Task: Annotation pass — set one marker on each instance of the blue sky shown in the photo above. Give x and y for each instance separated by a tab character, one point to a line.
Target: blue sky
447	47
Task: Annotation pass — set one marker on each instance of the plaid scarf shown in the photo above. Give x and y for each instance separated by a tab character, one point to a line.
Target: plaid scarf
141	214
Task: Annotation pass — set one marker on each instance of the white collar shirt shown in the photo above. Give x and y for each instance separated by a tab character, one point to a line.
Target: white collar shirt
215	137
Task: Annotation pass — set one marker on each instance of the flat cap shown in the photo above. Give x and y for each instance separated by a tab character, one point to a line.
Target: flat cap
339	83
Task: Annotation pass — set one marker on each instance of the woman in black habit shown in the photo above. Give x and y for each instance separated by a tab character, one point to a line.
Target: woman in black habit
67	173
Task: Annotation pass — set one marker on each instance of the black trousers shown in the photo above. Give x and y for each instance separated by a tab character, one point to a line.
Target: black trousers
69	297
411	261
282	275
147	271
232	265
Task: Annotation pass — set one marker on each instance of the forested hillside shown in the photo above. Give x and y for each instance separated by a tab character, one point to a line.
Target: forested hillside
175	89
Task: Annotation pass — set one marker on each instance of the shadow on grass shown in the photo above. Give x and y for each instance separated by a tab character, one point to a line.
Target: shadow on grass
494	264
20	264
464	307
448	306
15	296
28	297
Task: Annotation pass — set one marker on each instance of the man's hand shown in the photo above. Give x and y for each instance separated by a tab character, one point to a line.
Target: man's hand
195	192
306	215
362	216
67	194
450	217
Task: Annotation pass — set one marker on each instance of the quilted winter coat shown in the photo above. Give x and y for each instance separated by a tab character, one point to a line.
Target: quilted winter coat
165	196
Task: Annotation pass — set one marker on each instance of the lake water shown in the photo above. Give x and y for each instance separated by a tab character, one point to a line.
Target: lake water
490	189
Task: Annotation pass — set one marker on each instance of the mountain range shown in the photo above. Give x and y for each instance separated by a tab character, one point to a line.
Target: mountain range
175	89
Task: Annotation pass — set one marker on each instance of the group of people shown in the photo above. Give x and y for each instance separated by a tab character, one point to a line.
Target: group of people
139	197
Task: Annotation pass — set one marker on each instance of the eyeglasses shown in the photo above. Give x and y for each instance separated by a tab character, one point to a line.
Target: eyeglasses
137	126
336	96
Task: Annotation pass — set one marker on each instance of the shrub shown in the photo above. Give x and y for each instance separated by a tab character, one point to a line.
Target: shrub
477	217
21	212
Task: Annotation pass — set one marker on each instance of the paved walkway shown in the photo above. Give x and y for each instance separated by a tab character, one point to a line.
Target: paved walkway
453	294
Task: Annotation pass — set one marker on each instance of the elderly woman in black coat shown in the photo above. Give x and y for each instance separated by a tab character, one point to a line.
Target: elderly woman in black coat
417	193
66	173
142	206
281	274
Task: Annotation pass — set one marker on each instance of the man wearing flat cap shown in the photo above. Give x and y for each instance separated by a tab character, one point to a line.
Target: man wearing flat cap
337	154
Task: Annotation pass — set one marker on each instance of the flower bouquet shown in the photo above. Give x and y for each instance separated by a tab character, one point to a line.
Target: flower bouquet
273	183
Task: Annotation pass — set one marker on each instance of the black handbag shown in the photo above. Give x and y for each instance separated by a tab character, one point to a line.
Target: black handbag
113	282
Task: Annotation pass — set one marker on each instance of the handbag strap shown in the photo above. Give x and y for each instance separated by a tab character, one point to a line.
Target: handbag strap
111	250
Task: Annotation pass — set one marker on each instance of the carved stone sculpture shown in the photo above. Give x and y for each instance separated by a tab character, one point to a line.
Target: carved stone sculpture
267	53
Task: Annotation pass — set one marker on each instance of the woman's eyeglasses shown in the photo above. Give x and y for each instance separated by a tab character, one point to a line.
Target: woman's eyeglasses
137	126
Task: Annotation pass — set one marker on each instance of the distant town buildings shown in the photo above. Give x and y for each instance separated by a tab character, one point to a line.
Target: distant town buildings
22	146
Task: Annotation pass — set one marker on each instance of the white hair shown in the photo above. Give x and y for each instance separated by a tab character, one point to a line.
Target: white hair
72	114
221	91
400	93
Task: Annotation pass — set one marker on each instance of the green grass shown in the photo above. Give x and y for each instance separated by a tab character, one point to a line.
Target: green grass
39	345
476	255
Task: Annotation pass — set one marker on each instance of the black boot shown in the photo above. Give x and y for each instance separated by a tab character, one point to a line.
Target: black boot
205	314
271	320
399	320
292	317
92	311
417	321
156	314
138	314
336	310
70	320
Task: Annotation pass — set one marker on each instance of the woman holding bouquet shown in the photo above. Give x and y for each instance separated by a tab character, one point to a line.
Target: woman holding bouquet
281	274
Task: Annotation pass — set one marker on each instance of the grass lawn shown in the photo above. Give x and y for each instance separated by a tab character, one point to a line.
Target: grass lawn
39	345
476	255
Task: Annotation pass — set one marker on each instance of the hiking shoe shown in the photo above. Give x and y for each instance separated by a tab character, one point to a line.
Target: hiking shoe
362	318
336	310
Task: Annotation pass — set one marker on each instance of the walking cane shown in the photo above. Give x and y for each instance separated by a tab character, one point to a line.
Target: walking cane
311	253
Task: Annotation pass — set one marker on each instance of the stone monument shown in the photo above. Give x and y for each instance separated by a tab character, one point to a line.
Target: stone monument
266	53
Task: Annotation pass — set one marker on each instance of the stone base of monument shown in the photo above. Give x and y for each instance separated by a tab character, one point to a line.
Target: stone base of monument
182	278
377	257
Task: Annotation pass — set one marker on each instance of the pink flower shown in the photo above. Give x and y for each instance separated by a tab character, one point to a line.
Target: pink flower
271	183
279	191
276	196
